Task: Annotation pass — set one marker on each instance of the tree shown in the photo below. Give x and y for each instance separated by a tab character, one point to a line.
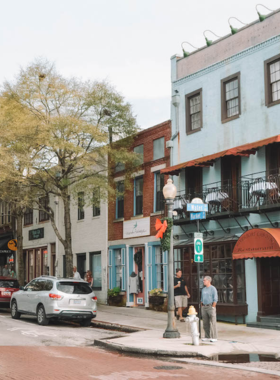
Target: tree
73	124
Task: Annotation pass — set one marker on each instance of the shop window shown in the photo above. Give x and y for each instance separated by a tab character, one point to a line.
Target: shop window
28	216
118	268
96	205
120	200
159	199
81	205
159	268
158	148
138	196
95	267
43	208
139	150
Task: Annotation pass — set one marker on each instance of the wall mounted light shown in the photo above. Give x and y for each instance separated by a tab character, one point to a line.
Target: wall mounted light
234	30
262	17
186	53
209	42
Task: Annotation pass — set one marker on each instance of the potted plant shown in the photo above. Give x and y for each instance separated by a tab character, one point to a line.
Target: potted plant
114	296
156	296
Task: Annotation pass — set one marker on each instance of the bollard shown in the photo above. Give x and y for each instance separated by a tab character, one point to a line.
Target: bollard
192	320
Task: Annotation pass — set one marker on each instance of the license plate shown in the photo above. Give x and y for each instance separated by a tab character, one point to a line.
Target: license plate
6	293
76	302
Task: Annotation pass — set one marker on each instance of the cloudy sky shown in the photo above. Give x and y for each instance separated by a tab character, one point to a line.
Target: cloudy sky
128	42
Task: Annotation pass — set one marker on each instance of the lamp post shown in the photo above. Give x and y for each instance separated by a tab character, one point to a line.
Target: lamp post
169	193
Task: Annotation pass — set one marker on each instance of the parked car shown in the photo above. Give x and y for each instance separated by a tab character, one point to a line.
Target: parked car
8	286
50	297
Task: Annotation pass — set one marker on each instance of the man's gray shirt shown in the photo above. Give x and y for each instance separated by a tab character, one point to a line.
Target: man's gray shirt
209	295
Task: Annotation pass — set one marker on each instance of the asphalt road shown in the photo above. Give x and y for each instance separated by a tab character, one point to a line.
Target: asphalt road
64	351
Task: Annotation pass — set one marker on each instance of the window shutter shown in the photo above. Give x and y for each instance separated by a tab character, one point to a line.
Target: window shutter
110	269
149	267
165	271
123	269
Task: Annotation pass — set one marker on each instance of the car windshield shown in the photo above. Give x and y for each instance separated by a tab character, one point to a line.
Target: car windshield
9	284
72	287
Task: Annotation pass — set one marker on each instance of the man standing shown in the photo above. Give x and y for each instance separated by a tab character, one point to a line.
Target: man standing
6	271
76	274
181	293
209	299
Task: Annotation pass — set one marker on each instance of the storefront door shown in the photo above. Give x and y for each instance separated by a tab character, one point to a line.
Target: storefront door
139	258
81	264
269	286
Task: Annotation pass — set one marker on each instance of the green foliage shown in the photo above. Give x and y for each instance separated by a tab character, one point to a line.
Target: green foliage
114	292
155	292
165	241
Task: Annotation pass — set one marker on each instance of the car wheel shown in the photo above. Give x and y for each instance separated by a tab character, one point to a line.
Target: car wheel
14	311
41	316
86	322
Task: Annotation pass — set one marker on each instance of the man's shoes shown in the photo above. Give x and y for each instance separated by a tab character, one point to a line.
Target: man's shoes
182	320
205	339
213	340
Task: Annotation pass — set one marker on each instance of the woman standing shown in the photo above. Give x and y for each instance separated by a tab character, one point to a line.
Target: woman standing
89	278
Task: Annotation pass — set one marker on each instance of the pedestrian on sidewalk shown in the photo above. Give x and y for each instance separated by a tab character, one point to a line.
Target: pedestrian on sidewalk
89	278
76	274
209	299
181	293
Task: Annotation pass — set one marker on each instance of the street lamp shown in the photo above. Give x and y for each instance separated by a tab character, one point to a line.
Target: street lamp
169	193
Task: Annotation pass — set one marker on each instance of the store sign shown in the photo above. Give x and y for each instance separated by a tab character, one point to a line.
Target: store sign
12	244
136	228
36	234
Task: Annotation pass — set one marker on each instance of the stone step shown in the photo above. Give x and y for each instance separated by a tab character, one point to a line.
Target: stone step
263	325
270	319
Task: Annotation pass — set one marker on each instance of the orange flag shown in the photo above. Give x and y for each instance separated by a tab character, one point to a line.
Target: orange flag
161	228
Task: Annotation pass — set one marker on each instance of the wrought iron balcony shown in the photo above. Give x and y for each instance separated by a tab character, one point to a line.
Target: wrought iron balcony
260	190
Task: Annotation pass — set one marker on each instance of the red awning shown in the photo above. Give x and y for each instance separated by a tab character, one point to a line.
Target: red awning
258	242
242	150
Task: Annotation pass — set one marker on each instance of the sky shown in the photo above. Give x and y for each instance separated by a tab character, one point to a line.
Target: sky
127	42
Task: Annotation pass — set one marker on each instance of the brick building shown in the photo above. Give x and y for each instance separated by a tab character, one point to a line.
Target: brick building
132	216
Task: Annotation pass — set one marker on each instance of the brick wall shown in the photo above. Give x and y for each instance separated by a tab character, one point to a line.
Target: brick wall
145	137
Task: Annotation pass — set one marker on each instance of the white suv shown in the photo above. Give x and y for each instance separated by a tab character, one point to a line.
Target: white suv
50	297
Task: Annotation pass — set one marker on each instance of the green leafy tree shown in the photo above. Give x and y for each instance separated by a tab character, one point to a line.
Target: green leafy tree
74	125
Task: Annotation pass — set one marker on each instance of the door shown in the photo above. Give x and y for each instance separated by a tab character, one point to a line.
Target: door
269	286
23	298
230	173
81	264
139	258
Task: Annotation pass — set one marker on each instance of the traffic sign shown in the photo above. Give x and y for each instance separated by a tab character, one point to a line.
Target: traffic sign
198	245
198	258
196	207
198	215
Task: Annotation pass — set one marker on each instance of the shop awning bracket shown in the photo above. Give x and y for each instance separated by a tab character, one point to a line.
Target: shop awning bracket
211	233
245	228
274	224
255	226
189	235
226	230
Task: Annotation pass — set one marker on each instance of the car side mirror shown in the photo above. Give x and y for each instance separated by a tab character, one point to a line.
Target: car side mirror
22	288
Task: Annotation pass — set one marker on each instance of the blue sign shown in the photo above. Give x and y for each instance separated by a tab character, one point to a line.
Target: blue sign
198	215
196	207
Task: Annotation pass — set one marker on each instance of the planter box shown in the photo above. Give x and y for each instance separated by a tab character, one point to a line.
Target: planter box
158	303
116	300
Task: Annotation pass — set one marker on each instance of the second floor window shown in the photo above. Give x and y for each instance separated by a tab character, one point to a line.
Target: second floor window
158	146
272	81
43	204
138	196
194	111
81	205
230	97
120	166
96	206
140	151
120	200
159	199
28	216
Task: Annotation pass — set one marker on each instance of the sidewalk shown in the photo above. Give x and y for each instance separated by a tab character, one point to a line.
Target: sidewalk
232	339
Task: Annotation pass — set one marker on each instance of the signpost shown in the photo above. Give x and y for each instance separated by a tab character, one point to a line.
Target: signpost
198	211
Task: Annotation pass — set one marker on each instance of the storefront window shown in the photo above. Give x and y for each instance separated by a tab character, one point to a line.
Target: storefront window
96	270
159	267
118	268
228	276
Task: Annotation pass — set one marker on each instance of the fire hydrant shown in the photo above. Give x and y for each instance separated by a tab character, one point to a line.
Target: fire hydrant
192	320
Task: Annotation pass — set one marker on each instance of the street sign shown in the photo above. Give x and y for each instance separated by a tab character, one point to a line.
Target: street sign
198	215
198	258
196	207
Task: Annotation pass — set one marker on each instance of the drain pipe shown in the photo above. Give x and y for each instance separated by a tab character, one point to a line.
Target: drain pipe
192	320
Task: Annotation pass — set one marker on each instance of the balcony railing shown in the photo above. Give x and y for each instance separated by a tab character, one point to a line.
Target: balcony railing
260	190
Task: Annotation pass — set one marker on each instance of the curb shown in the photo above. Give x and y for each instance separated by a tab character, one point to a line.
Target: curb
115	327
144	351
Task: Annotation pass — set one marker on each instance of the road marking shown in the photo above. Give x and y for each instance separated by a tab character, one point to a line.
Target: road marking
33	333
127	375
